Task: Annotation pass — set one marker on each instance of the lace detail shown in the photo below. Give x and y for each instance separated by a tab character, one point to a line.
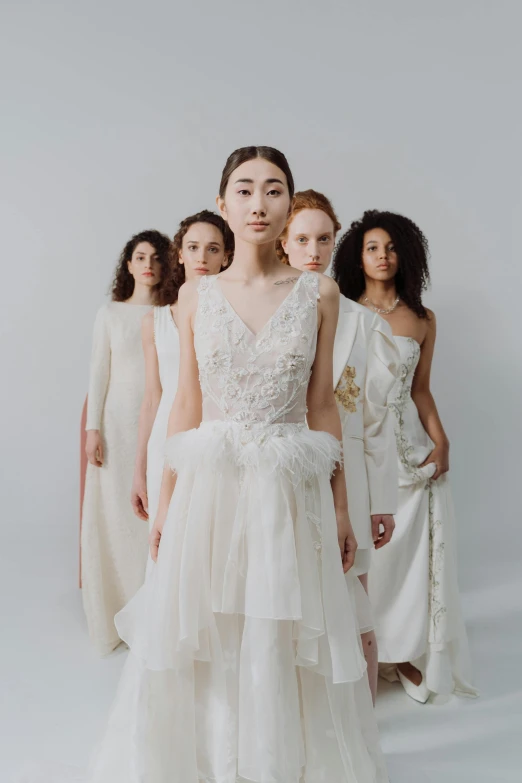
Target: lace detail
399	404
261	378
437	608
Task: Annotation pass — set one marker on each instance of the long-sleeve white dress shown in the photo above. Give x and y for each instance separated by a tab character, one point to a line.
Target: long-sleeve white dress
114	540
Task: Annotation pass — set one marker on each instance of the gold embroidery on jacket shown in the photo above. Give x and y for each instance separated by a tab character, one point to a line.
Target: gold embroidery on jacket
347	390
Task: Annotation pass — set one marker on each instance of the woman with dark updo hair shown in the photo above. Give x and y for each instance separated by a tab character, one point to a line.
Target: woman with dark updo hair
113	542
245	661
382	263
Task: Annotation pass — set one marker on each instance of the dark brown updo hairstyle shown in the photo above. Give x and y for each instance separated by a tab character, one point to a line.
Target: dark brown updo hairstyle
123	284
169	292
306	199
244	154
411	246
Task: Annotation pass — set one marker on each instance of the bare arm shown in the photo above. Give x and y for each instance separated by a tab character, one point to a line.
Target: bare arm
423	399
186	409
148	411
322	409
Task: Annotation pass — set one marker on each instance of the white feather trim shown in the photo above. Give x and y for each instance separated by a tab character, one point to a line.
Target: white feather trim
300	452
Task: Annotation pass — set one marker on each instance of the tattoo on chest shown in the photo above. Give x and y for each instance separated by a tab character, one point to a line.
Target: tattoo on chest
286	280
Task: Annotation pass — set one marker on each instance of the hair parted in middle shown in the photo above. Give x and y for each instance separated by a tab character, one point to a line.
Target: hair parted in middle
306	199
244	154
123	284
169	292
411	246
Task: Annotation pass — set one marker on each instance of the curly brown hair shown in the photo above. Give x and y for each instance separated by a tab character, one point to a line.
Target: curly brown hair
306	199
413	276
123	284
169	293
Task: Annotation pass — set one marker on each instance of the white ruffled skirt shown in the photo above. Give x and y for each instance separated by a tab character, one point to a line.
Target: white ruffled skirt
245	660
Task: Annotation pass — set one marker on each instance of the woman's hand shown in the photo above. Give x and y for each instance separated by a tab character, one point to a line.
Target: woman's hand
383	536
440	457
155	536
346	538
94	448
139	499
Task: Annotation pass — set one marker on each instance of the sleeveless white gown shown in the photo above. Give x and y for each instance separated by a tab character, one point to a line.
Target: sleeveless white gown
166	340
245	660
413	580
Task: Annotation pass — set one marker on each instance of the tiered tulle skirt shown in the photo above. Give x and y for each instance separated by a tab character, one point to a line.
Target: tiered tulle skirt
245	660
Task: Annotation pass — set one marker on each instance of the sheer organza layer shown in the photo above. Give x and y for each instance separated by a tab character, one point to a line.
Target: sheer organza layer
245	658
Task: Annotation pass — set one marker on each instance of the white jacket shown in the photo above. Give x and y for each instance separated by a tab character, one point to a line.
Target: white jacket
366	364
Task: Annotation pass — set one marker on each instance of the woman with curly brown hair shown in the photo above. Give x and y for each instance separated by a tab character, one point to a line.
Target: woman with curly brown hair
382	262
202	246
114	543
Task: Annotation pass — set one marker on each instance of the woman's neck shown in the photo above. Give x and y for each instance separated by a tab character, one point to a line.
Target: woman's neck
381	293
253	261
142	295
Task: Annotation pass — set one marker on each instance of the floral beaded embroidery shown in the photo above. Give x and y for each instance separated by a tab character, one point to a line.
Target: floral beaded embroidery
246	387
398	406
347	390
437	609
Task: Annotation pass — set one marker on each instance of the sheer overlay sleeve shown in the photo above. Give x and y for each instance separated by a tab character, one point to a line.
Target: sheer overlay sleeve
99	371
379	437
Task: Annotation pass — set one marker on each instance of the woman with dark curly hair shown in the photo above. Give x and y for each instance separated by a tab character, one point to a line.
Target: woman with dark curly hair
202	246
382	262
113	542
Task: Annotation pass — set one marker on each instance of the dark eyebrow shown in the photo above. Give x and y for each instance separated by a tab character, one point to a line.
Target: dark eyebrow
267	182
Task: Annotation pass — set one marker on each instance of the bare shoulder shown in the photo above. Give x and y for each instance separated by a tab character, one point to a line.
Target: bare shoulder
431	320
328	288
188	293
189	289
188	297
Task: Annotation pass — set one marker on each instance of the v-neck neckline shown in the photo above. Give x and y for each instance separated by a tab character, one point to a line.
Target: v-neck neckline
256	335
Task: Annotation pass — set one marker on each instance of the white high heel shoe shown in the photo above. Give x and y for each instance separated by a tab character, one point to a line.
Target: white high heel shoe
418	692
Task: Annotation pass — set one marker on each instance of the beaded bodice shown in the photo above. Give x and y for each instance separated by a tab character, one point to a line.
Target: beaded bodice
410	354
256	379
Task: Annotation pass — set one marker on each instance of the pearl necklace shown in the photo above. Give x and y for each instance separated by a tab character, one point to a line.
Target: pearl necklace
380	310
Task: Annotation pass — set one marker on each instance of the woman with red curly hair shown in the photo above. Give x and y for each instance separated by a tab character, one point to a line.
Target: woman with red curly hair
365	364
202	246
114	543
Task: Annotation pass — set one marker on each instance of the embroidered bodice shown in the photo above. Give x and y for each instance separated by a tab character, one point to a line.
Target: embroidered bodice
410	354
256	379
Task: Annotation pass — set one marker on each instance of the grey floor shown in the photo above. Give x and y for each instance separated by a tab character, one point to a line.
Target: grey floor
56	693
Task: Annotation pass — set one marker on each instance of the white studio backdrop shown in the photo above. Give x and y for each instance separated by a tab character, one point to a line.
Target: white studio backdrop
118	116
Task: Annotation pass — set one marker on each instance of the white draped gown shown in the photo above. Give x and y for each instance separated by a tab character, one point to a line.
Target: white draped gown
413	580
